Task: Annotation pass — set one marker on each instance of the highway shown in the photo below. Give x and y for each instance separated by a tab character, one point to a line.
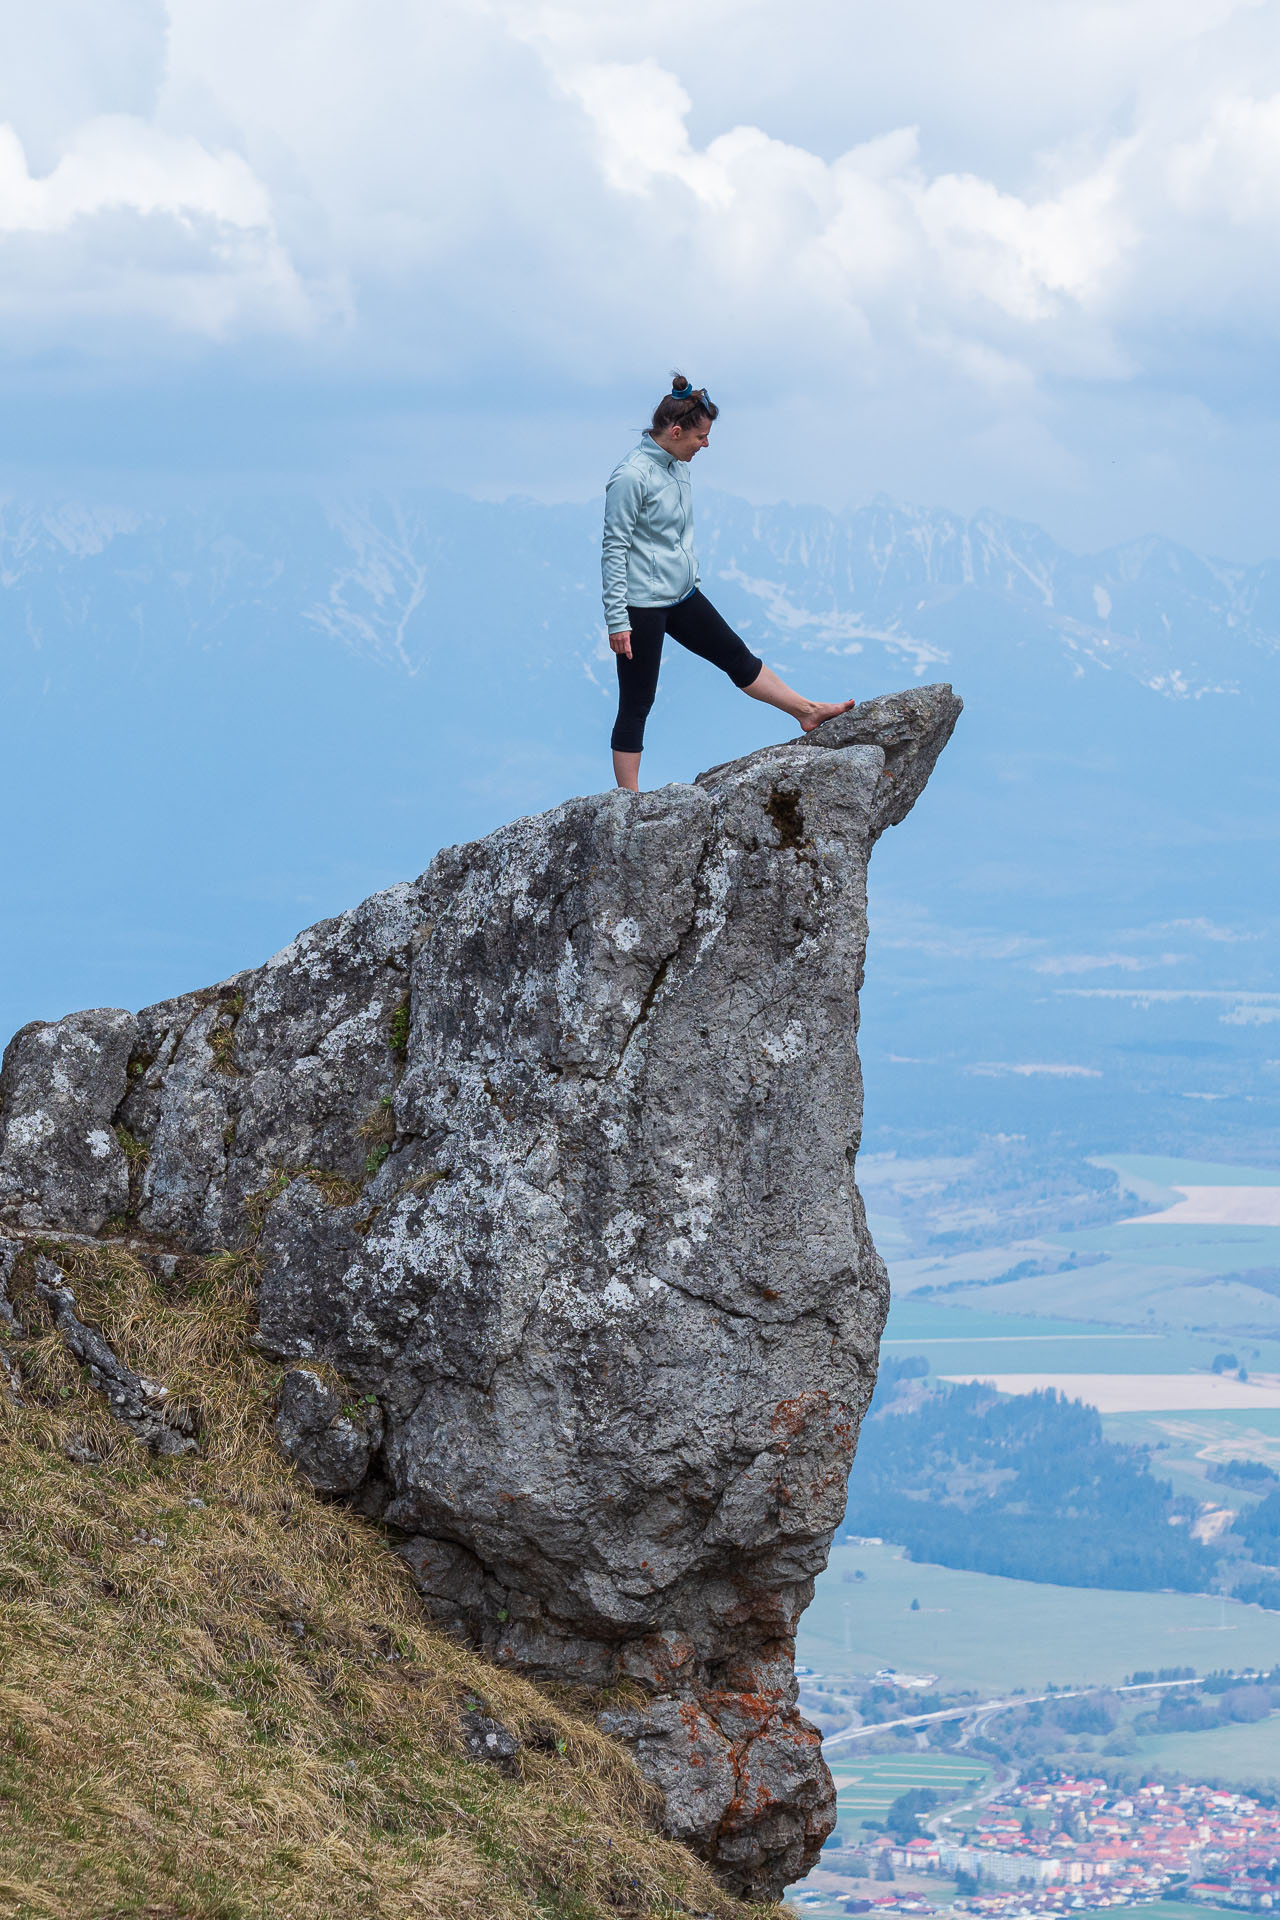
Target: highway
983	1711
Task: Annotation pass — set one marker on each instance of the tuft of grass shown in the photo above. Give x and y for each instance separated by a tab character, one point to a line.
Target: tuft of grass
220	1699
222	1041
375	1158
136	1152
398	1031
256	1204
335	1188
236	1270
222	1035
378	1127
423	1181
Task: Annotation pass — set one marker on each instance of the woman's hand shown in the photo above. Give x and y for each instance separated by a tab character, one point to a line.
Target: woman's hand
621	643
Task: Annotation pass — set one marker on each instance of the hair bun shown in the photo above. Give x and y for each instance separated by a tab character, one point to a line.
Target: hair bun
681	386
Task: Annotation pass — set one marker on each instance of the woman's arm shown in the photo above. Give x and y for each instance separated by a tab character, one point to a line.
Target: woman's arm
621	508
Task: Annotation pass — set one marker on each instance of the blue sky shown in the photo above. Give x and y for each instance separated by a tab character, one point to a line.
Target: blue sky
1020	253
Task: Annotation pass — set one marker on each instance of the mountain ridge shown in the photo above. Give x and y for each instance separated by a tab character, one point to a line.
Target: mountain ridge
368	571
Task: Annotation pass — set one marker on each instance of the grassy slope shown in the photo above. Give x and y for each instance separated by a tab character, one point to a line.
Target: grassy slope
218	1696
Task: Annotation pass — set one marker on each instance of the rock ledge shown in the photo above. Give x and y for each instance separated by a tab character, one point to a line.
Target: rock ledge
549	1156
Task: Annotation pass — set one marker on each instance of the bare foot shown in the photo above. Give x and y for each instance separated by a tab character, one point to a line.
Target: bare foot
776	693
820	710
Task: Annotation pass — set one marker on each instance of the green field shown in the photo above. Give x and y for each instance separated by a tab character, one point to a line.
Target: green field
1243	1756
1172	1281
1148	1279
1208	1249
1154	1177
868	1784
970	1339
975	1630
912	1321
1185	1445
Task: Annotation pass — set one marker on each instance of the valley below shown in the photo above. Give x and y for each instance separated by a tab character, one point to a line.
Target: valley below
956	1684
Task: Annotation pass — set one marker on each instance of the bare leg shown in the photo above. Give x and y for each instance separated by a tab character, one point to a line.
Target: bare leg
626	770
776	693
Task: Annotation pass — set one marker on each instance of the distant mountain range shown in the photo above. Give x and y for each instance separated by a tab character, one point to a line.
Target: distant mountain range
228	717
909	581
388	579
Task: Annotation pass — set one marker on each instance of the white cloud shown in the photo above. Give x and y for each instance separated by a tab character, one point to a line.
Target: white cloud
994	1069
116	161
201	251
1207	930
1094	962
891	233
1240	1007
911	929
1164	996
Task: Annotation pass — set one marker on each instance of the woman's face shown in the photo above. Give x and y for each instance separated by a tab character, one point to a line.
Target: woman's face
683	442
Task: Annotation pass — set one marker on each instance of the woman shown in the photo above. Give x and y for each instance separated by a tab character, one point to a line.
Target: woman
651	580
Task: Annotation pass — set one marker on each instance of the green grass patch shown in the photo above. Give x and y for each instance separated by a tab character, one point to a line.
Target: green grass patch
993	1635
1240	1755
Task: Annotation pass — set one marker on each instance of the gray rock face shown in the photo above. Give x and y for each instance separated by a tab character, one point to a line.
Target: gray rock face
551	1153
61	1164
333	1442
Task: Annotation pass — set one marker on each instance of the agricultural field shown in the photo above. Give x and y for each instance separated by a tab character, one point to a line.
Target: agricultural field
868	1784
1132	1321
1239	1756
972	1339
1185	1447
1143	1392
1179	1910
1195	1250
977	1631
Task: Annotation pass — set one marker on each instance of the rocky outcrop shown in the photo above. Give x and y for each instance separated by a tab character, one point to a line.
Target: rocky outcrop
549	1159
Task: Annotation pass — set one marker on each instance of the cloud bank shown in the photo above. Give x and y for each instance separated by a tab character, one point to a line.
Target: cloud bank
1021	247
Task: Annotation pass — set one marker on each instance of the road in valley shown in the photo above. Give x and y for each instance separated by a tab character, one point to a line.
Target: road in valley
986	1710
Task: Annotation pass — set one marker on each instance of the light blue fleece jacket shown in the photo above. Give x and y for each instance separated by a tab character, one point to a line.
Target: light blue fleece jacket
648	558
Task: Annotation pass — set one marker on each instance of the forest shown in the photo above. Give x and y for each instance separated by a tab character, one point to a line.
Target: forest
1021	1485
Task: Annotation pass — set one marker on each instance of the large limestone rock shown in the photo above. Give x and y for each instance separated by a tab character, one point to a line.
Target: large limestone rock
550	1157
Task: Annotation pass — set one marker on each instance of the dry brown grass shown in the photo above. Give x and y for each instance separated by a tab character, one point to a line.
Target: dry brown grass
379	1125
219	1699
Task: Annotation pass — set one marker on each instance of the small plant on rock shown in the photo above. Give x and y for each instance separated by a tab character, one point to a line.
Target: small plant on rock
136	1152
222	1035
256	1204
398	1031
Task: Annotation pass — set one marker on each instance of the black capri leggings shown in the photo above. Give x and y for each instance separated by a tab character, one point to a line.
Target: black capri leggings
695	624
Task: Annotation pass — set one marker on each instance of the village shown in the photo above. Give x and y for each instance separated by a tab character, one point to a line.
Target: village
1053	1845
